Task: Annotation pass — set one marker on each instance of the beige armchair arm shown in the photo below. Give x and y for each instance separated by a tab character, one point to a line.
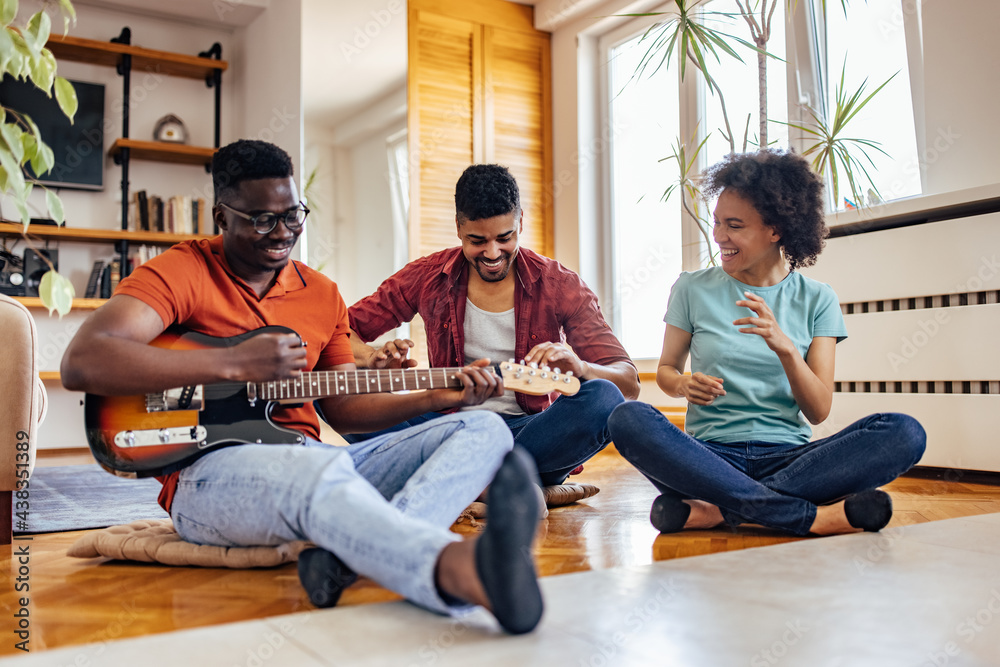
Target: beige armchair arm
22	405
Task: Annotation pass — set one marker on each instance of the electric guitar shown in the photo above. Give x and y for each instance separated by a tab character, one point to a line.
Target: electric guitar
157	433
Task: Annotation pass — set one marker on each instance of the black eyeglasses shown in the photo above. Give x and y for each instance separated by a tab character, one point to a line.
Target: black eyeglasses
264	223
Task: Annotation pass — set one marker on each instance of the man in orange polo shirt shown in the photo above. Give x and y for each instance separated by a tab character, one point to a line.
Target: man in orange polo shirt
381	508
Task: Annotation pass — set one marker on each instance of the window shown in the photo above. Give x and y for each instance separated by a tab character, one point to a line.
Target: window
651	242
739	83
646	231
399	187
870	43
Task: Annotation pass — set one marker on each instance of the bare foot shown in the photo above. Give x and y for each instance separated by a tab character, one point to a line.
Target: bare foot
703	515
831	520
456	574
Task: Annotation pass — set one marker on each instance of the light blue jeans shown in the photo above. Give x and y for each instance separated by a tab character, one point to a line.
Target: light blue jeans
568	433
383	506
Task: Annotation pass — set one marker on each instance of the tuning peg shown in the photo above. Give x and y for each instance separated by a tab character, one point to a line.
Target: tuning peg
511	360
534	364
569	373
532	372
546	368
544	374
557	371
566	379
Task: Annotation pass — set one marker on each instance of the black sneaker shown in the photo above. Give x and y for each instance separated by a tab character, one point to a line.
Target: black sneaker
324	576
668	514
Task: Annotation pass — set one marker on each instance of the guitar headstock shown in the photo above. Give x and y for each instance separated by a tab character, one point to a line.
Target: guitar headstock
529	379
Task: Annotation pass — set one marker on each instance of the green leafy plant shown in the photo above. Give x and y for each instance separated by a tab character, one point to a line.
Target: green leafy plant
693	35
687	185
834	153
23	55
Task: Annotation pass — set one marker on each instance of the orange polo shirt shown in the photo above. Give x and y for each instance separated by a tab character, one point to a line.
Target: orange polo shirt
191	285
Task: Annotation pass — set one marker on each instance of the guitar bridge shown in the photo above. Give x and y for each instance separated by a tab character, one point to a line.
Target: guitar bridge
155	437
181	398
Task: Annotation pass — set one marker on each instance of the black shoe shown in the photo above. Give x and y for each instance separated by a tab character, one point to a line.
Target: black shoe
869	510
503	551
324	576
668	514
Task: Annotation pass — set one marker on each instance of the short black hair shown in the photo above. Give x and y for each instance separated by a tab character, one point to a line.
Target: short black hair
486	191
247	160
784	190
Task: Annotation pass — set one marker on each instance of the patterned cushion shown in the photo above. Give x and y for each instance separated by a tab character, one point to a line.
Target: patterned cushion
156	541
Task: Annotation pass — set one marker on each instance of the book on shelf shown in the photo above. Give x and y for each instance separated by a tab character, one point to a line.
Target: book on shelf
105	282
143	254
109	278
180	214
156	214
142	204
203	216
168	215
114	275
94	281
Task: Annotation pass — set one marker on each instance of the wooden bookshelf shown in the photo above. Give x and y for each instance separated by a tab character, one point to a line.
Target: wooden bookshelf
97	235
109	54
160	151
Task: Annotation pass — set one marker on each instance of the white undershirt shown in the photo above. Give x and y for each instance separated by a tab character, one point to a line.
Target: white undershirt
491	336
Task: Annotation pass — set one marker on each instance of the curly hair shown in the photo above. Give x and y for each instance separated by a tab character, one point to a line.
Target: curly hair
786	193
486	191
247	160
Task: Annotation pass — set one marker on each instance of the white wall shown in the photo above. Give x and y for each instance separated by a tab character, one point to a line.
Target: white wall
961	94
268	80
261	98
353	240
373	215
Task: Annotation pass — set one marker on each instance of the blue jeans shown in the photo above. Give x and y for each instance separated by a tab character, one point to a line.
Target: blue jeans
384	507
568	433
774	485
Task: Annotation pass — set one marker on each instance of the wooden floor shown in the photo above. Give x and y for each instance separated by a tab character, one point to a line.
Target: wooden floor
74	601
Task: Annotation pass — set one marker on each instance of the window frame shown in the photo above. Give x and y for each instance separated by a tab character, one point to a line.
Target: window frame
691	240
806	70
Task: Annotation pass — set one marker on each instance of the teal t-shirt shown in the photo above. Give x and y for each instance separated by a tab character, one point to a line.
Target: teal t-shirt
758	405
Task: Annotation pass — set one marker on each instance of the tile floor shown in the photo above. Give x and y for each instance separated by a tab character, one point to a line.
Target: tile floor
926	594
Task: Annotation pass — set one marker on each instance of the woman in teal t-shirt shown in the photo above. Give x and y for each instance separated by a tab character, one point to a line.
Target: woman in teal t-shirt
762	339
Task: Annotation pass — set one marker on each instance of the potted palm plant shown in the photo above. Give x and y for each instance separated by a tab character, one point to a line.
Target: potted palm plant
693	36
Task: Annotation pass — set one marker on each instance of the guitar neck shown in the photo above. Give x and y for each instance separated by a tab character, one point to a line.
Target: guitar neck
320	384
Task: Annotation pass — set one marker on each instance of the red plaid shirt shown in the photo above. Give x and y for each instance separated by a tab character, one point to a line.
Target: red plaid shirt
551	303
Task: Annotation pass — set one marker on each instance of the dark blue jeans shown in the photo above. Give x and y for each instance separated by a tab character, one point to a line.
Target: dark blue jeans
571	431
754	482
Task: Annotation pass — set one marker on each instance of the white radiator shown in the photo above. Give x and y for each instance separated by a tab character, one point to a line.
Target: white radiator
923	318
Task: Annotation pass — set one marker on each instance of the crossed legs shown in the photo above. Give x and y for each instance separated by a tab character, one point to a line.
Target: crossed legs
774	485
268	494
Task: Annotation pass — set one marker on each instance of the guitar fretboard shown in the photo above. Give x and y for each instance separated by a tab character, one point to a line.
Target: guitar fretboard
318	384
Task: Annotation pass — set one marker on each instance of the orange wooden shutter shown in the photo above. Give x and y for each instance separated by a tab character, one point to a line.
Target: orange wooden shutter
478	87
517	119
